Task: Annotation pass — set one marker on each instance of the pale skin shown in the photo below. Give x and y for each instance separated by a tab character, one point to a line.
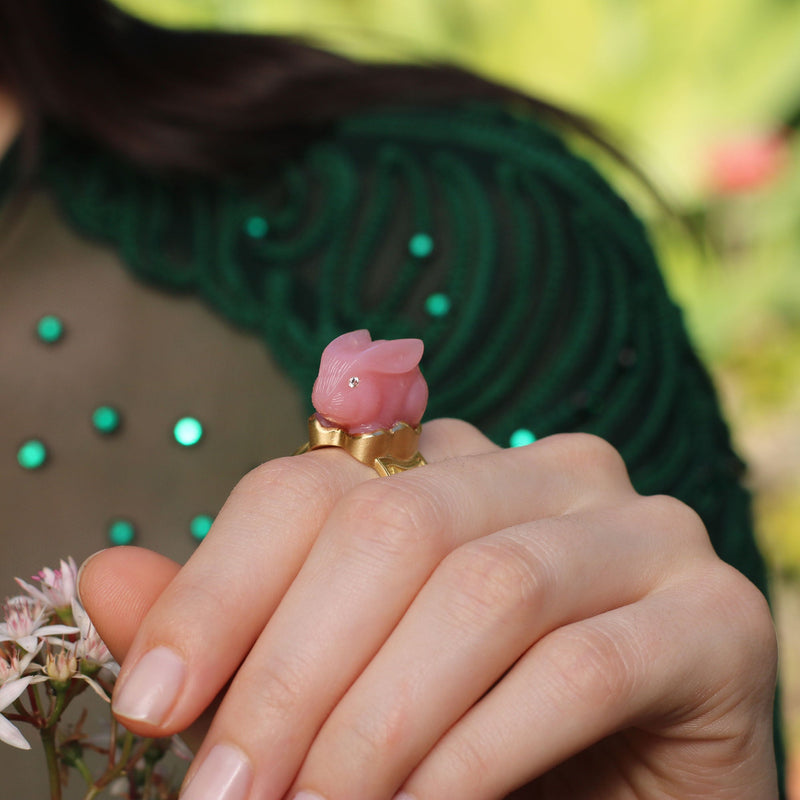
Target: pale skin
499	621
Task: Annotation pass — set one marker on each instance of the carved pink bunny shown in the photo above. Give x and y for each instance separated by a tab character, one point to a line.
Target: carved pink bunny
364	386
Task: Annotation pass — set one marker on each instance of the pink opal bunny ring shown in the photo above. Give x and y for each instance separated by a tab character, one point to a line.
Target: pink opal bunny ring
369	398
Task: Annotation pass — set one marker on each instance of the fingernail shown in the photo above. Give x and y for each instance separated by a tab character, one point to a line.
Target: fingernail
404	796
80	573
308	796
225	774
148	692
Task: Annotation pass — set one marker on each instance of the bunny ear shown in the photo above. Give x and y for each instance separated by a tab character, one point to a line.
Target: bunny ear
392	357
354	341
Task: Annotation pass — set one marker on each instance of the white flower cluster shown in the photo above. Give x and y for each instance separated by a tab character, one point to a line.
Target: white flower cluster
46	636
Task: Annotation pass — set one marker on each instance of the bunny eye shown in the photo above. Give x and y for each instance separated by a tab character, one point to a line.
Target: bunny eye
353	382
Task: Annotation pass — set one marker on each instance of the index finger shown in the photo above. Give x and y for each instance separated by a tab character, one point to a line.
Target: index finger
216	606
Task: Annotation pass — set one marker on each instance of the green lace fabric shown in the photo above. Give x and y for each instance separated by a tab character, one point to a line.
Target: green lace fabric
530	281
471	226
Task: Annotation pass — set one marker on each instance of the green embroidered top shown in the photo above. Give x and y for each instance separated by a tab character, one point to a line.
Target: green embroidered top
530	281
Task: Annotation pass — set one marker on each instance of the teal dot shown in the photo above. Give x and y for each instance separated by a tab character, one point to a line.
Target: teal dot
200	526
50	329
106	419
420	245
121	531
188	431
256	227
32	454
522	437
438	305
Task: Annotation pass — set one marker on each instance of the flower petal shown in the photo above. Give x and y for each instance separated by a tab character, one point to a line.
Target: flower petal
33	591
10	735
10	691
29	643
50	630
98	689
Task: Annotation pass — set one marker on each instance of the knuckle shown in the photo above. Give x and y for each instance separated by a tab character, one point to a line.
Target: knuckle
681	521
491	579
748	619
276	690
585	453
455	435
205	600
592	667
390	520
471	754
300	483
378	731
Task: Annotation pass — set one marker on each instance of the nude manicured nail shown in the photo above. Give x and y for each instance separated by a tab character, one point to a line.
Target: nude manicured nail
404	796
308	796
150	690
225	774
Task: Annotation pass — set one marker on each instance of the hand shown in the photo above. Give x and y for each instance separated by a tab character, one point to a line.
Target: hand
497	619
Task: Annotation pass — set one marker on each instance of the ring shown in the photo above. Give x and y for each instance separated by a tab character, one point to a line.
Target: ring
387	451
363	389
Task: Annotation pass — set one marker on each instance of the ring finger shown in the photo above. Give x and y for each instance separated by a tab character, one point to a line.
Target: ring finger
485	605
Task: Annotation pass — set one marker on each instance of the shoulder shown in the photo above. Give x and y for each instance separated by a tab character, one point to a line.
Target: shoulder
497	145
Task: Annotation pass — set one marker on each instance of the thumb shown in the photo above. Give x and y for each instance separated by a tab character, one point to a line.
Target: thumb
117	587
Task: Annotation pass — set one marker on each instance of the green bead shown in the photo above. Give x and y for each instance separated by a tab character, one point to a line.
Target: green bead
521	437
32	454
200	526
50	329
106	419
121	531
438	305
188	431
420	245
256	227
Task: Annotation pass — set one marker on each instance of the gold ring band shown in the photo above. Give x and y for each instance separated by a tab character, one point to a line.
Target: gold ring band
387	451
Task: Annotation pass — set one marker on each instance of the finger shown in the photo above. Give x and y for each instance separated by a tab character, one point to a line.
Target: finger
224	596
379	546
210	614
670	670
484	606
117	587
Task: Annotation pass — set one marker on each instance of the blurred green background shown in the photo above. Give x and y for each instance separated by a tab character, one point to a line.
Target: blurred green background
705	96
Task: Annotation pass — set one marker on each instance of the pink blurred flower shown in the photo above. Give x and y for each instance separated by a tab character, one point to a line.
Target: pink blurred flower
745	163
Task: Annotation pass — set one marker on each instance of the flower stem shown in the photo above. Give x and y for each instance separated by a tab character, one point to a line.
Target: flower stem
62	698
148	782
126	762
36	704
112	745
80	765
48	736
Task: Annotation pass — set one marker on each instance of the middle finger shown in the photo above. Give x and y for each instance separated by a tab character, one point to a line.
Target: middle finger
379	546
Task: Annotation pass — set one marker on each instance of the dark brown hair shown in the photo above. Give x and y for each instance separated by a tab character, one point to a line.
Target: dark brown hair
201	101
